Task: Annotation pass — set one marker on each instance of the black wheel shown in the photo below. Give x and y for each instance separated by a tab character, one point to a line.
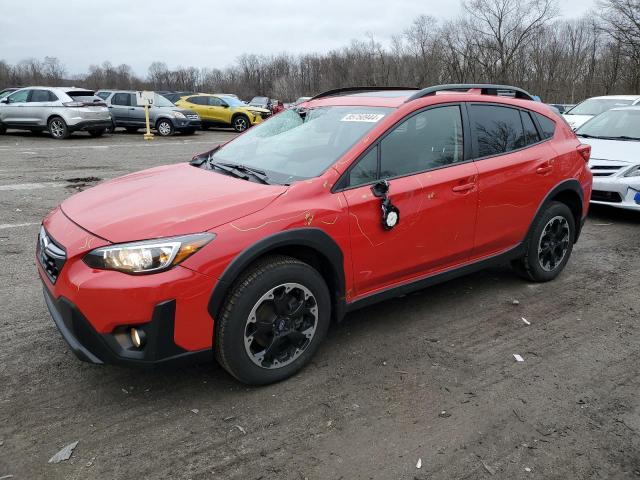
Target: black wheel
164	127
204	127
131	129
58	128
97	133
111	129
273	320
3	129
549	245
240	123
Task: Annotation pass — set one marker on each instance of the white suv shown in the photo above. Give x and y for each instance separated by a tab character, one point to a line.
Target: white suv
586	110
61	111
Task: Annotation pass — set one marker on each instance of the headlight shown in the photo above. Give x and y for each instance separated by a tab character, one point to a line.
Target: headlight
178	115
147	256
634	172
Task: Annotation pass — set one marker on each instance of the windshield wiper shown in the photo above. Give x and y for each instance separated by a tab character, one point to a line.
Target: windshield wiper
254	172
623	137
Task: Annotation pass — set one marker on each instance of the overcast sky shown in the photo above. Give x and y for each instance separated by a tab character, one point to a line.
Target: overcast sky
204	33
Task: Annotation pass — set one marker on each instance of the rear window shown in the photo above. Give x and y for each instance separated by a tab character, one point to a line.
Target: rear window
86	96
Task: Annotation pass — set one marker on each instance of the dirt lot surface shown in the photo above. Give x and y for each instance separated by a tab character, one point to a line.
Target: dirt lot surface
430	376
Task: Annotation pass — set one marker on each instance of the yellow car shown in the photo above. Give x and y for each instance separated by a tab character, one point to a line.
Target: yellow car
223	111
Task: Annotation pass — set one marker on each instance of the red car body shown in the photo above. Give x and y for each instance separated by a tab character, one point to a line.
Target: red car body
454	220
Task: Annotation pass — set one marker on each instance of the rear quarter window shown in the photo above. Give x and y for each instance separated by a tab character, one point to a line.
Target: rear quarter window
547	126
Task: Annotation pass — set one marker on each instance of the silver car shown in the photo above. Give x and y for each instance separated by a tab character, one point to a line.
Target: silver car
61	111
614	137
164	116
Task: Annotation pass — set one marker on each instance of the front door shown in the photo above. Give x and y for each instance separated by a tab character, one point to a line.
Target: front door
434	190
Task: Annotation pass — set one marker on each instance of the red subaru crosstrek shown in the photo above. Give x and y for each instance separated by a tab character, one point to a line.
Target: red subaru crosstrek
250	250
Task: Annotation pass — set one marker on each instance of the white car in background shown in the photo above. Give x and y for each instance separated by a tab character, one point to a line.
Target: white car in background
591	107
614	137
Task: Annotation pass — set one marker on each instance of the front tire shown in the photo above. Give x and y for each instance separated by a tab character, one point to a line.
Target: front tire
273	321
240	123
164	127
549	245
58	128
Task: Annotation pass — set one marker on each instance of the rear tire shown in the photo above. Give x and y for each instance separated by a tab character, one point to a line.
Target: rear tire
164	127
273	320
549	245
58	128
97	133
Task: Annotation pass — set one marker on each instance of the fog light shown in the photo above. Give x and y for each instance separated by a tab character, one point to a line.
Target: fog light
138	337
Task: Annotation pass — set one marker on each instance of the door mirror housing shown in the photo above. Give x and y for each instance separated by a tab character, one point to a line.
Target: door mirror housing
4	100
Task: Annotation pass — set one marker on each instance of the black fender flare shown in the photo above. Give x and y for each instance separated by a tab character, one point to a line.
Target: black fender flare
312	238
571	185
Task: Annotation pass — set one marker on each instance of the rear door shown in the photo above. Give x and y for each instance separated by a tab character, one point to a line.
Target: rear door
120	104
136	112
432	183
40	103
516	170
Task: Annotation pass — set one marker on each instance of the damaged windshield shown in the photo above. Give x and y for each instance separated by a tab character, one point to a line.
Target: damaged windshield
299	144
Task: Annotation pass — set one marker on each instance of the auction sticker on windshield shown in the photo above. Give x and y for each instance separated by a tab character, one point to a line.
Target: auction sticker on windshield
362	117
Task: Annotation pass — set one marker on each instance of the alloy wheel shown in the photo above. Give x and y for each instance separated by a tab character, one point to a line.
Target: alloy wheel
554	243
56	128
281	325
164	128
240	124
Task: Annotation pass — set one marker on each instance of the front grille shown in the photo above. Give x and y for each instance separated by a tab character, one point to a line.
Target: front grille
605	170
50	255
193	117
602	196
265	115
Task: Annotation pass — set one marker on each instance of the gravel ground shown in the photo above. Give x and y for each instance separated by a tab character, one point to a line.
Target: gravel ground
429	376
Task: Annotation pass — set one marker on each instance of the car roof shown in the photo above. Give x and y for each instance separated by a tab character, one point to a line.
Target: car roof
616	97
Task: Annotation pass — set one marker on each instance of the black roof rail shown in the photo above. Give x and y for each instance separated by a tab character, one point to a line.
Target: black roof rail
486	88
346	90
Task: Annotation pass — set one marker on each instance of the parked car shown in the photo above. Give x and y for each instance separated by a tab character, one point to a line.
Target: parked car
173	97
271	104
61	111
591	107
221	111
164	116
299	101
561	107
248	252
614	137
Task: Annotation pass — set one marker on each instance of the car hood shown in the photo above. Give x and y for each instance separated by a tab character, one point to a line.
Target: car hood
255	109
620	151
576	121
166	201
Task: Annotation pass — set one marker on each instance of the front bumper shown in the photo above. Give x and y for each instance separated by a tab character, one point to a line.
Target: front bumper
181	125
619	192
93	347
95	309
90	125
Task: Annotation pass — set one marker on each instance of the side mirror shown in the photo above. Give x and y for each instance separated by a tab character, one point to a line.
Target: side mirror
225	105
4	100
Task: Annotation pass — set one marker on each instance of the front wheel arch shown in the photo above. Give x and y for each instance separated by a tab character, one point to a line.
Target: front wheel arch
309	245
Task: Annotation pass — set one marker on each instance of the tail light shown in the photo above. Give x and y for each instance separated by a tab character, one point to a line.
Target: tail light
585	151
73	104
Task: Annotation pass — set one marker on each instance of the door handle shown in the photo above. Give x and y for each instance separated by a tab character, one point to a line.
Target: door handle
132	108
464	188
543	170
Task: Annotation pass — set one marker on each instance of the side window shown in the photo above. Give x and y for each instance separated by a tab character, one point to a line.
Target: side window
366	170
530	133
19	97
132	99
548	126
120	99
39	96
215	102
497	130
53	97
427	140
197	100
